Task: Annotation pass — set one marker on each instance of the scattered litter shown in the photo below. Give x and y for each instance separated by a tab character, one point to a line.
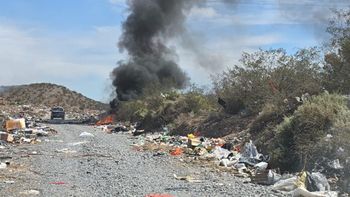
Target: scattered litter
48	140
317	182
66	150
86	134
286	184
261	166
221	152
302	184
13	124
159	195
3	165
78	143
187	178
335	164
305	193
176	151
227	163
30	192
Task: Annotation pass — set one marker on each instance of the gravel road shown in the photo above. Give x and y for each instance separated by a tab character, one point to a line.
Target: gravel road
106	165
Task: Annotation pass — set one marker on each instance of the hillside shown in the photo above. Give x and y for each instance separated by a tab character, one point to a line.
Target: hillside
49	95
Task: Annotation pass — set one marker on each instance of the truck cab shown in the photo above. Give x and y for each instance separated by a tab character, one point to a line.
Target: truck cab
57	112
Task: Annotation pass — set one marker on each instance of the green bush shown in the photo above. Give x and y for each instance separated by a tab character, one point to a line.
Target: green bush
298	136
269	77
131	111
159	109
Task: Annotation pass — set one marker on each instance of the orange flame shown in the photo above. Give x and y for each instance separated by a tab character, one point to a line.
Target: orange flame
106	120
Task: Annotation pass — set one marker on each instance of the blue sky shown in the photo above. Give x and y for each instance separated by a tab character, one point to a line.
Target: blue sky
74	42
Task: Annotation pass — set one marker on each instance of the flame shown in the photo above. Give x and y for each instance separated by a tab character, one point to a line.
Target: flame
105	120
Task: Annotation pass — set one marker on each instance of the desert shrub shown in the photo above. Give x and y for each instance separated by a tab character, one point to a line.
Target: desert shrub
337	56
196	101
298	136
157	109
269	117
269	77
131	111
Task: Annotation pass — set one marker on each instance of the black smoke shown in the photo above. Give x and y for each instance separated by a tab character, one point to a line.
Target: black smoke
146	31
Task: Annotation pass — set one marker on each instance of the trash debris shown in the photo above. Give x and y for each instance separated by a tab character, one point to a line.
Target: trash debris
250	151
3	166
77	143
66	150
267	177
86	134
159	195
220	152
317	182
138	132
191	136
13	124
286	184
302	184
194	142
30	192
176	151
335	164
261	166
187	178
22	131
305	193
227	162
243	158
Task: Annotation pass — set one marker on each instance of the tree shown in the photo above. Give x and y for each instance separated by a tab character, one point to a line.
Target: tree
337	58
270	76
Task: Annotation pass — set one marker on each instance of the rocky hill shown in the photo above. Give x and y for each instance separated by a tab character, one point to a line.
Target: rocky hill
46	94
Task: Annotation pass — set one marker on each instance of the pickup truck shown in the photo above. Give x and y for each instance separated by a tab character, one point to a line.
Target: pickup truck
57	112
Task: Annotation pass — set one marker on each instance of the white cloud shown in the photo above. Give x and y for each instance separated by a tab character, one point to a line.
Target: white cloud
31	55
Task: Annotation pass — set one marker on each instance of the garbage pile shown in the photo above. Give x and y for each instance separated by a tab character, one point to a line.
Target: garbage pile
106	126
236	156
42	112
242	159
20	130
305	184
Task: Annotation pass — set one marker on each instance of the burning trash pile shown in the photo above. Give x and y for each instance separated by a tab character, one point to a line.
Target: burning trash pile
242	159
20	130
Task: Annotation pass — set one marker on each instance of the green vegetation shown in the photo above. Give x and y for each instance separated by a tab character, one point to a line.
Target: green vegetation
297	139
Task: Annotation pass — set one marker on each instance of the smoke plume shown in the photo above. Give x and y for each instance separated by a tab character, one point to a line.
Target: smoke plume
145	33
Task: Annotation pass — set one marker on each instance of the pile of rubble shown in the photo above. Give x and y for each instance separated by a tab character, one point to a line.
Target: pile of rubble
42	112
20	130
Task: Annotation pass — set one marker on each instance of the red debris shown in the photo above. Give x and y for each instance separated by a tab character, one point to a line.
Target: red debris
176	151
159	195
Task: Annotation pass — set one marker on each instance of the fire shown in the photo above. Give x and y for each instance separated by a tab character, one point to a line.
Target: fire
105	120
